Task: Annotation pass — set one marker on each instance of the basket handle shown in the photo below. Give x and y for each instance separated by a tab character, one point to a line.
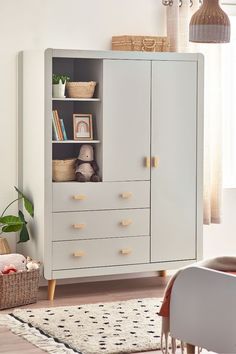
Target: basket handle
148	45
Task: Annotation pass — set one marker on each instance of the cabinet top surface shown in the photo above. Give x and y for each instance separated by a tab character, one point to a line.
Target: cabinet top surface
109	54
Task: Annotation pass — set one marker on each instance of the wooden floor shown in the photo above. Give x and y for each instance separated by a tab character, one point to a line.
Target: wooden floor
75	294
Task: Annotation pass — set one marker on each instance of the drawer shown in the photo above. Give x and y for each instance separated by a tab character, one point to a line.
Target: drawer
74	196
102	252
100	224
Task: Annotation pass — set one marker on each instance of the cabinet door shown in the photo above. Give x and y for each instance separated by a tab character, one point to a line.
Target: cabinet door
173	181
126	120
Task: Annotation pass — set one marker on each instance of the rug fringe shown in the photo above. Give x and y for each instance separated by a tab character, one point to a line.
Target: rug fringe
34	336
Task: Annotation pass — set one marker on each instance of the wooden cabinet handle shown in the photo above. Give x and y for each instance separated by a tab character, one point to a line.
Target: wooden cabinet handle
79	197
79	226
126	195
147	162
126	222
79	254
125	251
155	161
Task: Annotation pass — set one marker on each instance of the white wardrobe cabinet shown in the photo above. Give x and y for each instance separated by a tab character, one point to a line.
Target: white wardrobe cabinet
147	114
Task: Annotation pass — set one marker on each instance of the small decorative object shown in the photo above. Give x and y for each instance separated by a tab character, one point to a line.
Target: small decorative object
11	223
83	129
58	85
4	246
141	43
210	24
18	260
9	269
86	167
80	89
63	170
32	264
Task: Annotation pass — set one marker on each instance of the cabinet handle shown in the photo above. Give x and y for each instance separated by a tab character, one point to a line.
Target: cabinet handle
79	254
155	161
126	195
126	222
147	162
125	251
79	226
79	197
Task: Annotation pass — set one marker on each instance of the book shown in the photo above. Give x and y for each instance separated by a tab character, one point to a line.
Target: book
63	129
58	125
54	129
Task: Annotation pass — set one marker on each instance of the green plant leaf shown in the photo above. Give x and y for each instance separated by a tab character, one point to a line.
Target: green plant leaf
11	220
24	234
12	228
27	203
11	223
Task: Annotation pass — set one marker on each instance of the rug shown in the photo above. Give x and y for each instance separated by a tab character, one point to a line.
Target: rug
110	328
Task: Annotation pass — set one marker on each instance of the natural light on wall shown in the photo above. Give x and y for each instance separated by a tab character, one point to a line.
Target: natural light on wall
228	58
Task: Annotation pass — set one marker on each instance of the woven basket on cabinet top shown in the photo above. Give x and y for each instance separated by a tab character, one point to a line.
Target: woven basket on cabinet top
141	43
81	89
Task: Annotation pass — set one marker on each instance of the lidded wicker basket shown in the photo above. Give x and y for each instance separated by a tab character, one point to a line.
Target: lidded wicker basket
18	289
141	43
80	89
63	170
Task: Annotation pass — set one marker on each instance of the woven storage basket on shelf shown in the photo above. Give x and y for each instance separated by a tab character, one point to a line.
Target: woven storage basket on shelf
141	43
18	289
80	89
63	170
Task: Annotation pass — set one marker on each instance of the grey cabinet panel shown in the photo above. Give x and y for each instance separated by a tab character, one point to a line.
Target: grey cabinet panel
174	144
126	119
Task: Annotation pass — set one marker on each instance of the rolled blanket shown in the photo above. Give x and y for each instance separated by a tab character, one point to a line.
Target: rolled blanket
223	264
18	260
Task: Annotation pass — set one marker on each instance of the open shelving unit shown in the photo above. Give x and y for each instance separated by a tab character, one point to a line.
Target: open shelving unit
79	69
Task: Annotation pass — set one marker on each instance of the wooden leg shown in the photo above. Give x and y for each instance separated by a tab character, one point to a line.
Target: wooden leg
190	349
51	289
162	273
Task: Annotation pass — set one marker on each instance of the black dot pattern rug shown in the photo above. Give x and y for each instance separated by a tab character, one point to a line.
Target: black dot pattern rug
109	328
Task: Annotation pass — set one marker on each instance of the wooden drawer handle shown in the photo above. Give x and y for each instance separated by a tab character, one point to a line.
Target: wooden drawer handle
79	254
125	251
126	222
79	197
79	226
155	162
126	195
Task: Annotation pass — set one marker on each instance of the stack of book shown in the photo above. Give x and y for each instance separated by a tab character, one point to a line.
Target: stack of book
59	131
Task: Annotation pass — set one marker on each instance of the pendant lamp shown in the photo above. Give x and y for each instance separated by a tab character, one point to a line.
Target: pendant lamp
210	24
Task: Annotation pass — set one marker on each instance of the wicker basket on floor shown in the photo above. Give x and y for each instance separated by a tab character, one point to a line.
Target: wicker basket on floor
18	289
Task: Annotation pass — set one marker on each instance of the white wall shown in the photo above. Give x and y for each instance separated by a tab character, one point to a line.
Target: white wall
81	24
72	24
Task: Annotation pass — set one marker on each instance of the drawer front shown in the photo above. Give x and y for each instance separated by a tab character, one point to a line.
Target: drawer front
74	196
100	224
102	252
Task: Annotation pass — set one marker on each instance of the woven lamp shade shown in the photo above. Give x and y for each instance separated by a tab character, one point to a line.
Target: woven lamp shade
209	24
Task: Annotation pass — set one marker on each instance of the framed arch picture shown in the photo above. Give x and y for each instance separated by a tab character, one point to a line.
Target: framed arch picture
83	127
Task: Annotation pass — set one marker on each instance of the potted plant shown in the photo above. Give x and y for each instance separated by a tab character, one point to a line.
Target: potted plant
59	85
12	223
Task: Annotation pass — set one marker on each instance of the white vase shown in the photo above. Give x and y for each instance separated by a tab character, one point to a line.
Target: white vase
58	90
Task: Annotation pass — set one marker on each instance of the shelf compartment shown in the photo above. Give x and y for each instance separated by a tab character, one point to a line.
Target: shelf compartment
77	99
76	141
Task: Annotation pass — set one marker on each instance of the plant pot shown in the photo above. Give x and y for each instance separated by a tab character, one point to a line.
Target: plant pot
58	90
4	246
